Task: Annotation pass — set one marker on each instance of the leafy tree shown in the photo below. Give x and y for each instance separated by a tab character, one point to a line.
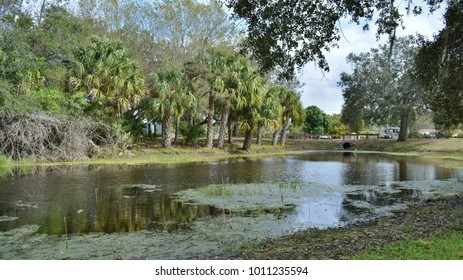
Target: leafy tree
17	59
13	14
338	126
382	87
187	28
112	80
288	34
317	121
162	34
440	67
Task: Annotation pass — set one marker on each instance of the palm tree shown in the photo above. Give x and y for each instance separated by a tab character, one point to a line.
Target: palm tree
235	68
173	96
293	111
253	93
111	79
271	111
278	93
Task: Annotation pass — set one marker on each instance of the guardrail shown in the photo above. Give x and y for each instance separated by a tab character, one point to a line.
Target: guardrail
306	136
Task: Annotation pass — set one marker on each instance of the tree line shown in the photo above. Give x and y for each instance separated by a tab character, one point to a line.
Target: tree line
100	70
392	85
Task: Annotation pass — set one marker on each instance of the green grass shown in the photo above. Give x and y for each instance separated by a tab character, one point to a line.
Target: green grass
448	247
3	160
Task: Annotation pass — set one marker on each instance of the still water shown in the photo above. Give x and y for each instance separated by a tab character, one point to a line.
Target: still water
329	189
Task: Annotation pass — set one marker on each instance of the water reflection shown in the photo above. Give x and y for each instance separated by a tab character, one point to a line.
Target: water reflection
321	213
130	198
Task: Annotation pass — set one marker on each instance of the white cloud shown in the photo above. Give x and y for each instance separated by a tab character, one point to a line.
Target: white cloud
321	89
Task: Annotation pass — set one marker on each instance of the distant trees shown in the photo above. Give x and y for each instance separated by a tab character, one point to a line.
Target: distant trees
317	121
163	34
382	89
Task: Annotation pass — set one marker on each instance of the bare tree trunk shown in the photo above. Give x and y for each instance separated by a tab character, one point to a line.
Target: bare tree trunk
284	131
166	132
275	136
248	138
210	121
223	124
403	127
42	11
260	133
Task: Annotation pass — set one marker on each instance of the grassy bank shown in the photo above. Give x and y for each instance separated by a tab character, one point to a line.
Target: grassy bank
433	230
149	153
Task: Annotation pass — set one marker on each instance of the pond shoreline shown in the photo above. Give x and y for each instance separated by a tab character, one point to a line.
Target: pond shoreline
448	149
433	218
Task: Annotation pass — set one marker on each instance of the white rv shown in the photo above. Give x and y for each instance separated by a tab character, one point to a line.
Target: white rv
388	132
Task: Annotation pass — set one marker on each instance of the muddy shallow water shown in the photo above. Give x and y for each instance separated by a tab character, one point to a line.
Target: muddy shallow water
199	210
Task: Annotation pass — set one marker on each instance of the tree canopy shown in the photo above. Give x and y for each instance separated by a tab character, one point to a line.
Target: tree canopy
317	121
439	67
382	88
288	34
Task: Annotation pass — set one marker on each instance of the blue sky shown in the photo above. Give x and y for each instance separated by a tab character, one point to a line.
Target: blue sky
320	89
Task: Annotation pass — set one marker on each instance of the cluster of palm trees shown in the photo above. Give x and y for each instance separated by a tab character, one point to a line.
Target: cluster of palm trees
218	87
231	91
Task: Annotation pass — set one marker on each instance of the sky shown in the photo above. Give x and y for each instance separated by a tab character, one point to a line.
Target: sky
320	88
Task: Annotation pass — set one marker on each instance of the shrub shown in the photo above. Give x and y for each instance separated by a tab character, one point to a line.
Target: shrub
45	137
192	133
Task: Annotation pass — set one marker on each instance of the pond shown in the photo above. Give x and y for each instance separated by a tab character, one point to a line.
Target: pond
201	209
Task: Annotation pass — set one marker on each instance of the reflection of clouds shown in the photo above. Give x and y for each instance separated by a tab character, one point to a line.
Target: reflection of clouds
329	173
321	211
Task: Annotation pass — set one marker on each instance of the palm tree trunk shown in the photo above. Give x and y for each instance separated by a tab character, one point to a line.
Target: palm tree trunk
223	124
176	131
231	125
210	121
275	136
260	133
283	133
235	129
166	131
248	138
